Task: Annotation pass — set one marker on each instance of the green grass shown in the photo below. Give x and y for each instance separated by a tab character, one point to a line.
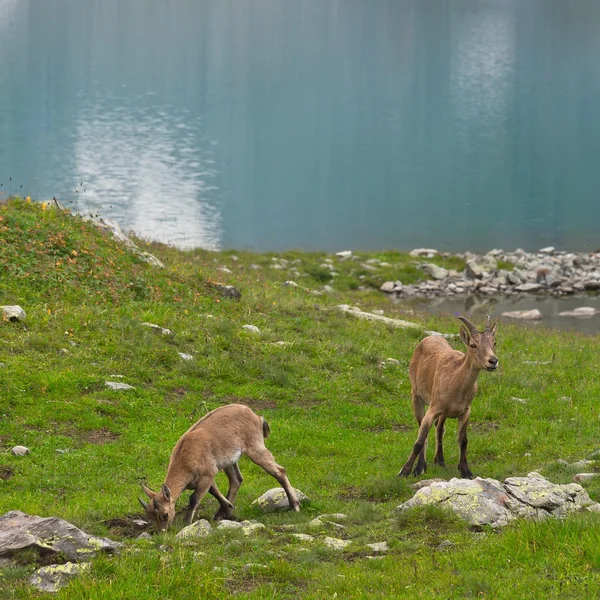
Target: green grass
341	424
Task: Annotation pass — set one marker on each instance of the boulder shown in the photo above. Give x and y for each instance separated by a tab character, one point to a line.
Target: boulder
490	502
435	271
388	287
54	577
426	252
582	311
525	315
473	270
276	499
20	531
199	529
13	313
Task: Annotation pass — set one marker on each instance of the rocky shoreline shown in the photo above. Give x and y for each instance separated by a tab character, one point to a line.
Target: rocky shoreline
548	271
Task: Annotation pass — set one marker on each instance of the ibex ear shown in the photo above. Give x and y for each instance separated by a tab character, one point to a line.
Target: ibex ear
494	328
166	492
465	336
144	504
148	492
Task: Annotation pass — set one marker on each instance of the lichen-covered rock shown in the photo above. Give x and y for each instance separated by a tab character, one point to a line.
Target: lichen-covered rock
276	499
13	313
490	502
19	531
199	529
303	537
247	527
54	577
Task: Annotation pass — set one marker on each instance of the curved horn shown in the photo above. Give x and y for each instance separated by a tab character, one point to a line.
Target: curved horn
469	325
144	504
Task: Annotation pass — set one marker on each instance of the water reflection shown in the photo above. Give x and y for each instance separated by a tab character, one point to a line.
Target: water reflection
150	169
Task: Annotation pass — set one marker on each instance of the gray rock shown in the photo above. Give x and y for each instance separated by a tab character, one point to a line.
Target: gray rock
290	283
251	329
13	313
186	356
197	529
303	537
591	285
54	577
19	531
379	547
117	385
247	527
525	315
20	450
139	522
276	499
435	271
490	502
225	270
473	270
144	536
344	254
528	287
389	361
513	279
336	544
227	524
582	311
388	287
158	328
581	477
425	483
425	252
229	291
328	289
547	250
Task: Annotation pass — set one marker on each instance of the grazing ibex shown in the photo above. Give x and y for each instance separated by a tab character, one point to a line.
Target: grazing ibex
215	443
446	380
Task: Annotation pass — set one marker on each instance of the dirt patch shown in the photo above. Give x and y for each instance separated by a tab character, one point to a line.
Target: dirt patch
125	526
253	403
484	426
6	472
98	436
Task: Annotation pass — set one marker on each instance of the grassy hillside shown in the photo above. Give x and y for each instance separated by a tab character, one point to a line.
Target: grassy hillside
341	423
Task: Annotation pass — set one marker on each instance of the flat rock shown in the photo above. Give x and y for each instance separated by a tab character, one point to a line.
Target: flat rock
303	537
344	254
525	315
19	531
117	385
20	450
379	547
276	499
198	529
53	577
581	477
227	524
490	502
425	482
158	328
247	527
528	287
335	543
251	329
582	311
13	313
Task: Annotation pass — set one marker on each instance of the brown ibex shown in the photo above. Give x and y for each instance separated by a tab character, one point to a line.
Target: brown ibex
446	380
215	443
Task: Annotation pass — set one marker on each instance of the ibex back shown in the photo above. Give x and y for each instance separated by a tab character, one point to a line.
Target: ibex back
446	380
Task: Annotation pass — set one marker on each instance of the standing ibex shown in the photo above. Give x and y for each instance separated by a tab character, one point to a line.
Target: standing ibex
446	380
215	443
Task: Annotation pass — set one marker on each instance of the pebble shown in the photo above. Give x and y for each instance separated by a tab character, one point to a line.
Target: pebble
251	329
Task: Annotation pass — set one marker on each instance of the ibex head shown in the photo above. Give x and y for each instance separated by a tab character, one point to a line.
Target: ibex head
481	345
160	509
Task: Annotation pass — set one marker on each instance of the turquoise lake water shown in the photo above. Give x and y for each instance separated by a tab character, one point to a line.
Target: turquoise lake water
320	124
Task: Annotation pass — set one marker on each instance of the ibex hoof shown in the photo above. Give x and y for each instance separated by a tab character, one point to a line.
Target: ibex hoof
466	473
404	472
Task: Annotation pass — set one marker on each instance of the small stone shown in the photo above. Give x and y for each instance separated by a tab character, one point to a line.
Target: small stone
328	289
581	477
290	283
144	536
547	250
591	285
344	254
62	450
379	547
334	516
473	270
519	400
336	544
303	537
276	499
13	313
225	270
388	287
389	361
254	567
139	522
513	279
54	577
251	329
186	356
444	544
525	315
528	287
280	343
199	529
229	291
20	450
250	527
117	385
158	328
